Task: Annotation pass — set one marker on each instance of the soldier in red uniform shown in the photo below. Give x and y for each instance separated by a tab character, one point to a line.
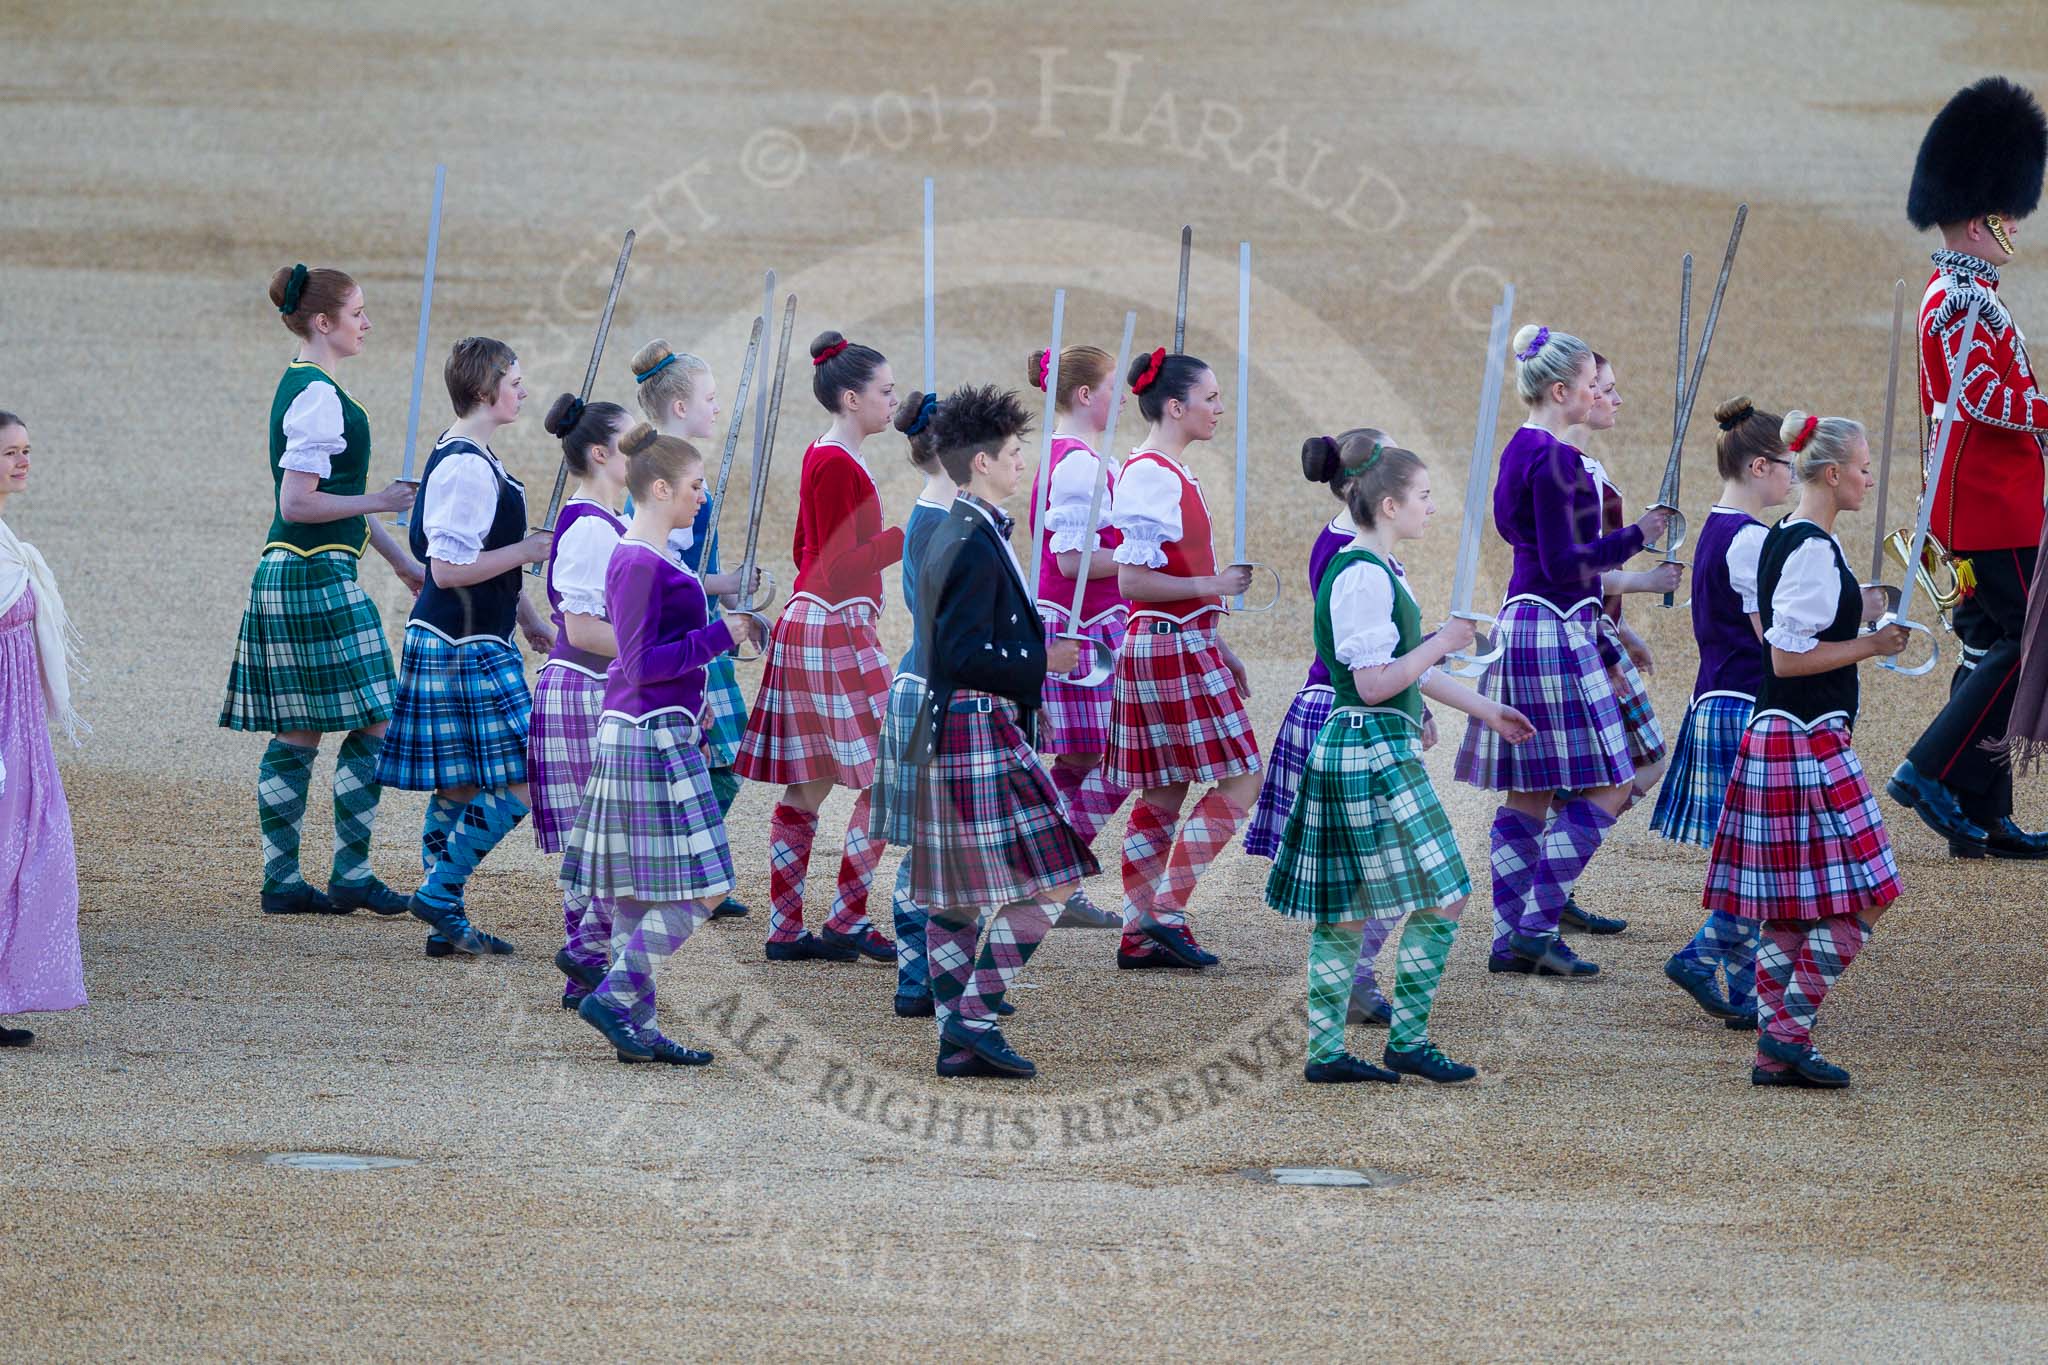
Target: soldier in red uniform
1979	171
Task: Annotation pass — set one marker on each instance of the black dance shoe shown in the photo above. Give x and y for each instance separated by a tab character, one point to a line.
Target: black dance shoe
989	1045
1935	804
914	1007
669	1052
582	973
1804	1061
1550	955
1369	1008
1343	1069
1585	921
616	1028
1741	1023
451	924
1177	940
808	947
1079	912
1427	1060
1790	1079
16	1037
868	942
1699	983
372	895
2006	840
1509	966
1150	958
301	899
730	908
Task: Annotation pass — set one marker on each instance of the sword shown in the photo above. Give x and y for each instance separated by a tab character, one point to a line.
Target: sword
1884	468
604	329
1102	661
1674	531
1043	498
1472	527
1244	390
931	330
1667	492
732	443
764	453
1180	295
419	350
1937	460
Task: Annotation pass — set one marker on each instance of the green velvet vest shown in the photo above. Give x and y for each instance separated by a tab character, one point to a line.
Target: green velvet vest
347	476
1407	620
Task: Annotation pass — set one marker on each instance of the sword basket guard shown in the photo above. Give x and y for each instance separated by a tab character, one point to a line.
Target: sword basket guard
765	594
741	649
1911	670
1488	644
1097	655
1270	602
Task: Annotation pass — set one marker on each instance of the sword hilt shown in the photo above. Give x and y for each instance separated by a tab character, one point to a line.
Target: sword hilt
1487	646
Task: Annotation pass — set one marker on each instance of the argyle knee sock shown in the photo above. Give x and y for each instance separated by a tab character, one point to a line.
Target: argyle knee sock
643	936
1569	842
1066	780
580	937
1425	947
913	973
442	814
1515	840
595	928
356	792
790	832
1211	825
949	953
1146	842
1779	942
856	872
1370	939
486	820
1727	942
1829	947
281	784
1093	802
725	789
1332	951
1013	936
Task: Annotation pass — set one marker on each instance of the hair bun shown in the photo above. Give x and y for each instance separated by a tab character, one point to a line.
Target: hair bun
1322	459
638	439
1734	413
1530	341
1039	366
563	415
826	345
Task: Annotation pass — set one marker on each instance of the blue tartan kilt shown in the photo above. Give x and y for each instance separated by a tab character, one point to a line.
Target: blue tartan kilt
892	801
1689	803
461	718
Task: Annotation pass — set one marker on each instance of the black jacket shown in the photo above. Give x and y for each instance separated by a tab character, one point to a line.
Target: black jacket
978	622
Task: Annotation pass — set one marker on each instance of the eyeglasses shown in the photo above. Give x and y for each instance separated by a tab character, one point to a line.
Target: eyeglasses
1775	460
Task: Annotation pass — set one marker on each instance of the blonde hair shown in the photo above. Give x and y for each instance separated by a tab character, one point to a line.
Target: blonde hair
1557	361
663	378
1829	443
1090	365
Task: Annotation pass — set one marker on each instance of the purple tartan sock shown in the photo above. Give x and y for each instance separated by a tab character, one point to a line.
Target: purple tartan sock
1369	944
1569	842
643	936
584	937
1013	936
1515	839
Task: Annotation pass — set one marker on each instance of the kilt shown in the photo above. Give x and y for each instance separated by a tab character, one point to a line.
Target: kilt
1298	731
892	801
1176	715
559	745
724	713
649	828
1075	720
990	829
1638	720
819	711
1689	803
1552	673
1800	836
312	653
1367	838
461	716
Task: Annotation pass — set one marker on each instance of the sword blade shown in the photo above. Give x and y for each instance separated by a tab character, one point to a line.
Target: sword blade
732	444
1937	459
1180	295
419	350
1667	491
931	332
1699	361
761	394
1116	403
1044	481
1477	473
764	453
604	329
1244	391
1891	408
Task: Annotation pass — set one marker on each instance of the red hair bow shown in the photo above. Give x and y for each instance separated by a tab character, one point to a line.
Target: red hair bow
1798	443
834	349
1151	374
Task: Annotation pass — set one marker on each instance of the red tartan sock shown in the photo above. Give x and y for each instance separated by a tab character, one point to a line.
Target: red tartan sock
790	832
856	873
1013	936
1210	825
1093	802
1825	952
1780	943
1067	779
1146	842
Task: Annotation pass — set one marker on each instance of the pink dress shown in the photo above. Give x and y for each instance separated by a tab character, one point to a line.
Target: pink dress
39	962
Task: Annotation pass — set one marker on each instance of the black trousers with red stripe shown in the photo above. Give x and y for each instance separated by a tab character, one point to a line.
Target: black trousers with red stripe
1989	624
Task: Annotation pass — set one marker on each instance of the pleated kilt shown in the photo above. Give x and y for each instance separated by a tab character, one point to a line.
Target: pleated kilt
461	717
892	801
1175	714
1800	836
818	713
312	653
725	712
1689	802
649	828
1073	719
1284	765
560	742
1367	837
1554	674
1638	719
990	828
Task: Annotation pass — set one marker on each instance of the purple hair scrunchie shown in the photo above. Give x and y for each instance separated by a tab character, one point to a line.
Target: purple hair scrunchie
1536	346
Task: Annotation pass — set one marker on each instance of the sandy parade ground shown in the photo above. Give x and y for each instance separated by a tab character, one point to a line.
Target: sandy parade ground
1611	1186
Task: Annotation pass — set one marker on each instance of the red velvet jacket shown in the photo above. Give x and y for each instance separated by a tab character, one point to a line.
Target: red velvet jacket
841	546
1990	493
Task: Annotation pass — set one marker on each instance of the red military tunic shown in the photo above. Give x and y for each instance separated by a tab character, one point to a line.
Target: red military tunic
1990	493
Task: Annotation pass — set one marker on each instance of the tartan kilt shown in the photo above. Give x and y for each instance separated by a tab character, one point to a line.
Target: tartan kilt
461	717
991	829
893	800
1367	838
1176	715
560	741
1800	836
1075	720
819	711
1298	731
649	828
1553	673
1638	719
724	713
1689	803
312	653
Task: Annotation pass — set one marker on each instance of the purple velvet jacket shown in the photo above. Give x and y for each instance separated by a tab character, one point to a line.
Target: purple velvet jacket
1547	508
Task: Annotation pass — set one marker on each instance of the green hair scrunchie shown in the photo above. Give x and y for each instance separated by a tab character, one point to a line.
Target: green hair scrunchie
294	288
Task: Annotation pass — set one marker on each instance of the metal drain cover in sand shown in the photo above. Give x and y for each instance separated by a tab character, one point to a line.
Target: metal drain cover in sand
1331	1176
336	1161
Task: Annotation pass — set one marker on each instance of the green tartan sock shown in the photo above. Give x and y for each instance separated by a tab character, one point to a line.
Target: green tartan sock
356	791
725	789
1332	956
281	785
1419	964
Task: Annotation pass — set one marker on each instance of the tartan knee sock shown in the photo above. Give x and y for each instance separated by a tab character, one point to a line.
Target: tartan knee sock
725	789
1780	941
1332	949
1569	842
1514	839
580	937
1013	936
1093	802
913	972
1370	939
949	952
356	792
790	832
1728	942
442	814
1066	780
1211	825
281	784
1145	844
485	821
1425	947
643	936
595	928
856	872
1828	949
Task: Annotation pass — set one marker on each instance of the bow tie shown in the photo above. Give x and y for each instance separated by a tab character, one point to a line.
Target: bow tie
1005	523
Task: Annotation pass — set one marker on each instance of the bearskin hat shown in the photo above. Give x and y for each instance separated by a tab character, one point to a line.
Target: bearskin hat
1984	153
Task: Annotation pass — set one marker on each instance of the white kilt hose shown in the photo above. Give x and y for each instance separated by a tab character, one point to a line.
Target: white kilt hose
818	713
648	829
1175	714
